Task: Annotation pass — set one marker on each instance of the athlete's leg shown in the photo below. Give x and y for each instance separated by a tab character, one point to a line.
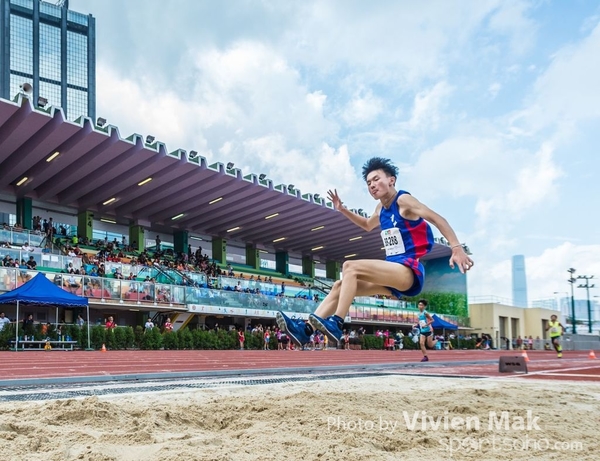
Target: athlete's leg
329	305
377	275
431	341
422	342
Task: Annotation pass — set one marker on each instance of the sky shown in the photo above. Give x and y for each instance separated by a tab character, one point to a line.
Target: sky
490	109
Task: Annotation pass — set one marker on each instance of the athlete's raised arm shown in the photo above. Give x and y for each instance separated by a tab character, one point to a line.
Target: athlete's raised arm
410	207
367	224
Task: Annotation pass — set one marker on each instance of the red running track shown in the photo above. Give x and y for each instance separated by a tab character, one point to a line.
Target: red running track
60	364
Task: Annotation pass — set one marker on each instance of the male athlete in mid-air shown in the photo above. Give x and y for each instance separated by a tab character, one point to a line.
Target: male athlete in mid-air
406	236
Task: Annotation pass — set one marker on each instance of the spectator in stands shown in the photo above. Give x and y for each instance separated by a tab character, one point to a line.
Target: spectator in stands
110	323
27	248
3	321
168	325
80	321
158	242
31	264
28	324
241	338
149	325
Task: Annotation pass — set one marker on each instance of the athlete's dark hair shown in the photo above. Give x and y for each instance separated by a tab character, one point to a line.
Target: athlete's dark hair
378	163
423	301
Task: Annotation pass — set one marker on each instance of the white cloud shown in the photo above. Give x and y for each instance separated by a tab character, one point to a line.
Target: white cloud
428	105
494	89
362	109
567	91
246	103
512	20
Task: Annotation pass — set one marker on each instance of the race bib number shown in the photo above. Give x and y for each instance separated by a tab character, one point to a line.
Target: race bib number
392	241
553	330
422	323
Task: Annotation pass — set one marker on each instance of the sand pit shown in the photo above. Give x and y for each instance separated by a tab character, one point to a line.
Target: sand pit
344	419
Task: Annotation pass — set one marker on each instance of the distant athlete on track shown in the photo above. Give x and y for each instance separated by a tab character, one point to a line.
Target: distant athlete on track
425	329
556	331
406	236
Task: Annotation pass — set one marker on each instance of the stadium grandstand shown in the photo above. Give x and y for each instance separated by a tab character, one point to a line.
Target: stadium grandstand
141	231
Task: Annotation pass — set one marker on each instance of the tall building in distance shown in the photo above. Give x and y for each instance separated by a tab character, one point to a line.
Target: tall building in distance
53	49
519	281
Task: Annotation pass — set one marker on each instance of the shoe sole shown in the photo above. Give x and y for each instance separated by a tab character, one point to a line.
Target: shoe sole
281	323
317	325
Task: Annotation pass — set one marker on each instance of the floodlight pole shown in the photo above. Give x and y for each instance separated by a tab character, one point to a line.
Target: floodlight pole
587	287
572	280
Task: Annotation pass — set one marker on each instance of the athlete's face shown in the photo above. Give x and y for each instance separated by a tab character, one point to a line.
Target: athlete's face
421	307
380	184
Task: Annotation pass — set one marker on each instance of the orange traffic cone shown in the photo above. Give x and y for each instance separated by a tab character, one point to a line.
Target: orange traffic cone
524	355
103	348
592	355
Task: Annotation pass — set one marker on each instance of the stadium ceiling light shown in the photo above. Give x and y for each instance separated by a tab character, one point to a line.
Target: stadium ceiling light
193	154
110	221
22	181
263	251
316	262
53	156
280	239
317	228
180	215
233	229
317	248
355	238
271	215
145	181
262	177
109	201
383	248
196	238
42	102
230	165
149	139
215	200
350	256
100	122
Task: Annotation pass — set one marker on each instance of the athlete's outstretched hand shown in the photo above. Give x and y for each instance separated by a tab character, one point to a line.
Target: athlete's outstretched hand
335	199
461	259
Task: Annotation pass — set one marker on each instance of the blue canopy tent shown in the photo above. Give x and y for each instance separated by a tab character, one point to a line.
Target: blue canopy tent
441	323
40	290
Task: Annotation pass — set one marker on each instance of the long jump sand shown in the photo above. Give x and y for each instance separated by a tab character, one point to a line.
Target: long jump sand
383	418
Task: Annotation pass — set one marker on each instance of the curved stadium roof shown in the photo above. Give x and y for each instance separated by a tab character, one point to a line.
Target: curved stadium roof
95	165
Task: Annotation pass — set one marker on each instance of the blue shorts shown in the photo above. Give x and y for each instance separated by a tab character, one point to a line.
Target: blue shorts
419	275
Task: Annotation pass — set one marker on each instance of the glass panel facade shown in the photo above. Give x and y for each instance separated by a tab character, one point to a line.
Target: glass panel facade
21	44
51	92
77	103
77	18
24	3
15	84
55	56
77	59
49	53
50	9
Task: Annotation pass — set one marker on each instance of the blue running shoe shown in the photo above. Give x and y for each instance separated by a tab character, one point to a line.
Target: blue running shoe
294	328
328	326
